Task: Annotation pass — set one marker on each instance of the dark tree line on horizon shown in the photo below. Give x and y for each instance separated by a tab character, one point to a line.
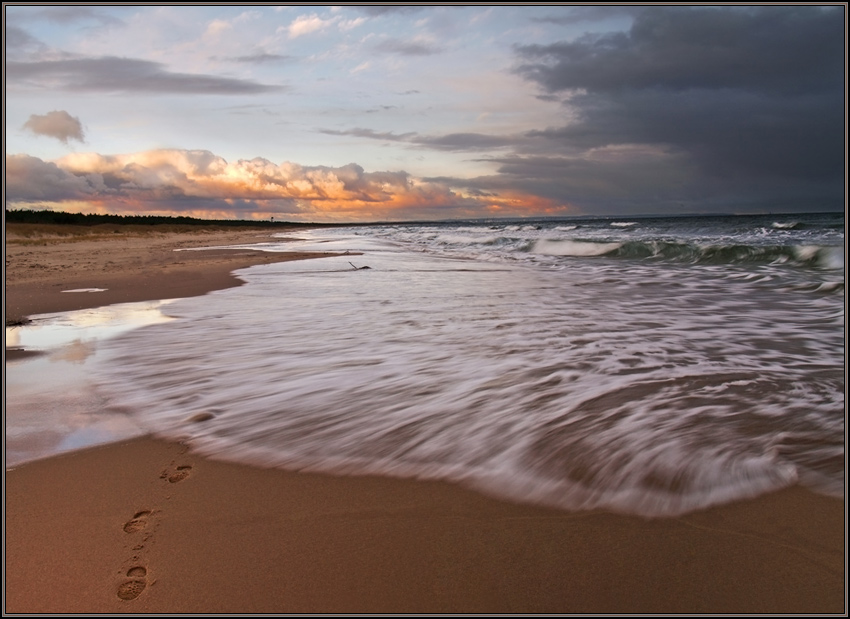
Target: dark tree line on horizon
81	219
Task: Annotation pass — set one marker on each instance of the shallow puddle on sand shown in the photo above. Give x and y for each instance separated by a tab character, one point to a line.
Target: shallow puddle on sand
51	404
47	332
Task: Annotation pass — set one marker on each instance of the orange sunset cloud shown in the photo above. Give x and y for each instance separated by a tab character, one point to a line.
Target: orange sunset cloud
198	181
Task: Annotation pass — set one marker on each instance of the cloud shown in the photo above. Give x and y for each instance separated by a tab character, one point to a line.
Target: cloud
181	181
381	10
448	142
66	14
468	142
381	108
628	176
599	172
373	135
407	47
639	179
217	27
307	24
58	124
32	180
260	58
19	40
114	74
742	95
728	134
768	49
578	14
351	24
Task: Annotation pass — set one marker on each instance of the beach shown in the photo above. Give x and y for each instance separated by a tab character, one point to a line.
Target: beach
147	526
131	263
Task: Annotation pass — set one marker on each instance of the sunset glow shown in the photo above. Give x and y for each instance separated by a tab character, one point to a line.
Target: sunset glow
433	112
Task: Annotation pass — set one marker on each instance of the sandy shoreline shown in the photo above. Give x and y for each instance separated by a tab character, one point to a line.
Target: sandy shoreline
217	537
136	264
144	526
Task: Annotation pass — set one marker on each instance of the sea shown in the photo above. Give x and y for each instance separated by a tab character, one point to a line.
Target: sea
641	365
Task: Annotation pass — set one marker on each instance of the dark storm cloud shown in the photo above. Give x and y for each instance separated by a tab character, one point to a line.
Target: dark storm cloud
728	133
652	184
113	74
774	49
741	93
407	48
589	182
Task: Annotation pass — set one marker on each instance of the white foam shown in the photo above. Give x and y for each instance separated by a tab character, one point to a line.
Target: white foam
806	252
460	239
613	385
832	257
553	247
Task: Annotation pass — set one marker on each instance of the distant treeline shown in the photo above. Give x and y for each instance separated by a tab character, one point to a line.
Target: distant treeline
80	219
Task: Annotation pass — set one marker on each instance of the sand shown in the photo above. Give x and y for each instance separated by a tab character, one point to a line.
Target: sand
146	526
132	263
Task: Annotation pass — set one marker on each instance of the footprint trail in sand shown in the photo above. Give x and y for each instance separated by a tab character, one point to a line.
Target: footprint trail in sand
134	579
141	528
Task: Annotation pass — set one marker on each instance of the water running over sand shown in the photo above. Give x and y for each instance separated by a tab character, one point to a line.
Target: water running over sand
649	380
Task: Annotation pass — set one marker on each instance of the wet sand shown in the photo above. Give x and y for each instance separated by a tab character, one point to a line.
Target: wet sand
146	526
132	263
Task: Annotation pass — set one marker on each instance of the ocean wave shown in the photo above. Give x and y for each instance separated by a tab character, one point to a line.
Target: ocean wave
554	247
462	239
591	387
828	257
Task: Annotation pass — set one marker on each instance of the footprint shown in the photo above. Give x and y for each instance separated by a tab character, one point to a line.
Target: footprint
137	522
131	589
180	474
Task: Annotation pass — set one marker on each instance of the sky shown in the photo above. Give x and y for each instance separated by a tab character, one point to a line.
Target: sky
391	113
